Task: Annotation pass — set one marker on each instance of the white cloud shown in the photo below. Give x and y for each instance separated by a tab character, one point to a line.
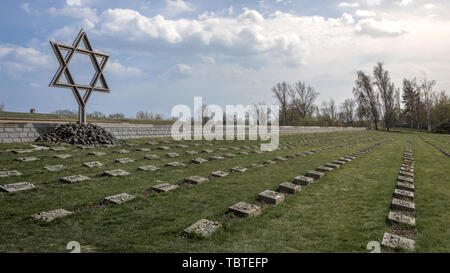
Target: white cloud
17	59
429	6
348	5
26	7
118	69
404	3
73	2
373	2
178	6
365	13
382	27
183	68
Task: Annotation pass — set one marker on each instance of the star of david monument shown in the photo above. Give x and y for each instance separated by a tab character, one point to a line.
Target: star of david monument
98	82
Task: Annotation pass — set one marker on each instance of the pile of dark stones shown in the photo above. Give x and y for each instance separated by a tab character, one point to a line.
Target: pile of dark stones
79	134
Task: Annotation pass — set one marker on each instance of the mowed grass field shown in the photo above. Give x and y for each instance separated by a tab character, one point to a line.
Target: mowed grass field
342	212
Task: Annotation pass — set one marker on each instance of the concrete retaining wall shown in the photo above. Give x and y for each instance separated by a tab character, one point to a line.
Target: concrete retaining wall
28	132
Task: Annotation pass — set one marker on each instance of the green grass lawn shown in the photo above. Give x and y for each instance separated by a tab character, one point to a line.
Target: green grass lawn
341	213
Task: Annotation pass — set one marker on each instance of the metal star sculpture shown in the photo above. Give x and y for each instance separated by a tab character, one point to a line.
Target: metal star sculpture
71	84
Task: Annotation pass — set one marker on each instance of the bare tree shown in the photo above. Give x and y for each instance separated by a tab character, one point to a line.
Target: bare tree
348	111
409	98
428	98
329	112
65	112
281	92
367	99
96	114
144	115
303	98
117	116
386	89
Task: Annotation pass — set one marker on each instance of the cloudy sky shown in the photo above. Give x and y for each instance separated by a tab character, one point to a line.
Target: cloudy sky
166	52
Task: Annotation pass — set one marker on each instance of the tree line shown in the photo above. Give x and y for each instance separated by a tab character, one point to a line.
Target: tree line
376	103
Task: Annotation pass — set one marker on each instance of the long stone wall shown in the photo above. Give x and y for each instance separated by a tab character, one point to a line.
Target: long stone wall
28	132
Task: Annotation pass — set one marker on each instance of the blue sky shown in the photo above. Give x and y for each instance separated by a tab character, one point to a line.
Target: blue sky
166	52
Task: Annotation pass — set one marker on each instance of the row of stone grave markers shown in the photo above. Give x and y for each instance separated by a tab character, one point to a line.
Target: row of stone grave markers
205	227
401	216
118	199
119	172
435	146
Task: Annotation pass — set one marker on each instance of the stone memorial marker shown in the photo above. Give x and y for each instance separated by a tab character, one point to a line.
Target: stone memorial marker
54	168
219	174
49	216
303	180
191	152
402	178
122	151
73	179
196	179
151	157
124	160
406	173
239	169
92	164
152	143
148	168
202	227
345	159
198	160
143	149
10	173
62	156
289	188
394	241
181	146
40	148
271	197
234	149
164	142
400	218
118	198
163	148
404	194
339	162
21	186
27	159
398	204
172	155
229	155
56	149
21	151
269	162
164	187
405	186
207	151
332	165
243	153
255	165
243	209
216	157
315	174
290	157
324	169
175	164
279	158
114	173
97	153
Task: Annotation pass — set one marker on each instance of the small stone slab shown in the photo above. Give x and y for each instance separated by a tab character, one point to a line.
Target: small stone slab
289	187
143	149
39	148
256	165
175	164
164	142
243	209
402	178
21	151
351	157
207	151
324	169
234	149
219	174
124	160
239	169
229	155
198	160
10	173
172	155
290	157
164	187
279	158
271	197
202	227
54	168
407	169
196	179
303	180
400	218
56	149
269	162
152	157
97	153
246	147
181	146
122	151
73	179
315	174
405	186
398	204
191	152
404	194
27	159
345	159
21	186
163	148
216	157
152	143
92	164
243	153
114	173
62	156
118	198
339	162
394	241
406	173
332	165
49	216
148	168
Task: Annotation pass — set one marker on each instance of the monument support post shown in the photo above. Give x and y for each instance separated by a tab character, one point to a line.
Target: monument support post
81	114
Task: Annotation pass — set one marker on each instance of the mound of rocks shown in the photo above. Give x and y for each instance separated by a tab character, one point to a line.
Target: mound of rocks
79	134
